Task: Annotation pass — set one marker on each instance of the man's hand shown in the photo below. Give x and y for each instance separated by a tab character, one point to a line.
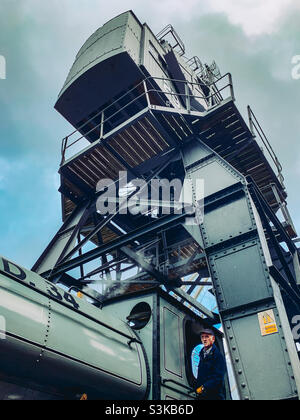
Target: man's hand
200	390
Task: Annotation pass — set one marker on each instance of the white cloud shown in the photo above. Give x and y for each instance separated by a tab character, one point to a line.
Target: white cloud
80	19
255	16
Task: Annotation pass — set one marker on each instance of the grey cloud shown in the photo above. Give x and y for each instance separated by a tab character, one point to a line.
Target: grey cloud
40	40
261	68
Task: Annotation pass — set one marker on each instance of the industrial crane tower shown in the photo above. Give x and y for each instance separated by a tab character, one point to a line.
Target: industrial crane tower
142	109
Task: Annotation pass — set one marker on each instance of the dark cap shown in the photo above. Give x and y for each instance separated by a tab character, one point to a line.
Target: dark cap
208	331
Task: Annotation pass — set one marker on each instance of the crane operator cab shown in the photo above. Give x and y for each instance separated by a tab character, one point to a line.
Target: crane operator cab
172	336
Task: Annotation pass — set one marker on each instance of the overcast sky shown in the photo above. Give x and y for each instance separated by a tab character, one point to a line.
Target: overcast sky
253	39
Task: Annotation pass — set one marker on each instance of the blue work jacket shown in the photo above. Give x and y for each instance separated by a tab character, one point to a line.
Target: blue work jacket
211	374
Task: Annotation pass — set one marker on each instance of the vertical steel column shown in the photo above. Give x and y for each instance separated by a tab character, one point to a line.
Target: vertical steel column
259	338
187	97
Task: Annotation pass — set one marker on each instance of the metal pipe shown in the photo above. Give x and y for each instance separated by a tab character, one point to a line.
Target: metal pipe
75	288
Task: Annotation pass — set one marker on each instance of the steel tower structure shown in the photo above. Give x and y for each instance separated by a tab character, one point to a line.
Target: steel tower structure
140	106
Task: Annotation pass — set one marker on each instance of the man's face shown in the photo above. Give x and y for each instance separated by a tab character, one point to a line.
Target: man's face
207	340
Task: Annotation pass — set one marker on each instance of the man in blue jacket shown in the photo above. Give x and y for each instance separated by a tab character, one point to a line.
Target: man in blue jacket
212	369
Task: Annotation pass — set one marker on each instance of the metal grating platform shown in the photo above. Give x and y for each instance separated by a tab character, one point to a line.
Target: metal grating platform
227	133
155	130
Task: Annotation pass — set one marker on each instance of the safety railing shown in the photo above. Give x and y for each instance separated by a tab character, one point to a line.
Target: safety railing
153	95
178	45
257	130
281	204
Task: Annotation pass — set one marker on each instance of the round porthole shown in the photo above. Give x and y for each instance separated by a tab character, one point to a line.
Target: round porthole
139	316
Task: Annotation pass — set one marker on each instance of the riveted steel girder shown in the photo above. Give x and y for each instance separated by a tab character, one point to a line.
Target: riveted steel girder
265	361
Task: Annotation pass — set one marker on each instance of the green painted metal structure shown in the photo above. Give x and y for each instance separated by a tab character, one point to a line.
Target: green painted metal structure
267	367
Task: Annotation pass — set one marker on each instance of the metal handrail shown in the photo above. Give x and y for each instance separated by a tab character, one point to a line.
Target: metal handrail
280	200
179	43
143	82
130	103
189	389
256	128
216	94
77	289
196	62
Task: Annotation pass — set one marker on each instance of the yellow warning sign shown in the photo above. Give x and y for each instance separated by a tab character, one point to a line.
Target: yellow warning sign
267	323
